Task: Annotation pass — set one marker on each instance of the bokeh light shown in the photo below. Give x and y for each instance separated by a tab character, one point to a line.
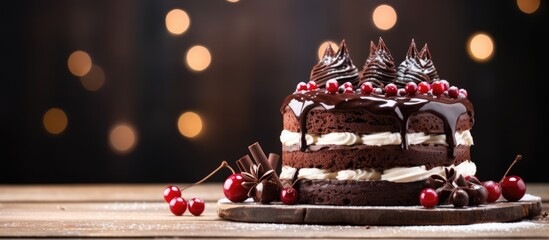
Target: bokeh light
177	21
79	63
528	6
198	58
481	47
323	46
189	124
94	80
55	121
233	1
123	138
384	17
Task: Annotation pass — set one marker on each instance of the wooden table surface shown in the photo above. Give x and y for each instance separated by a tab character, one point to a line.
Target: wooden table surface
109	211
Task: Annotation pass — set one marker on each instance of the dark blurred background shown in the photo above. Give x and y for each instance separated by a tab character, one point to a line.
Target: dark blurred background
96	91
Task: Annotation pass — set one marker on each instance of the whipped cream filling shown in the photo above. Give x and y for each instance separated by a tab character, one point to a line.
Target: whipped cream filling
289	138
397	174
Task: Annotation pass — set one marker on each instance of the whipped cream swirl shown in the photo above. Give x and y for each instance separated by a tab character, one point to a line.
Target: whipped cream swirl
338	66
289	138
417	67
397	174
379	68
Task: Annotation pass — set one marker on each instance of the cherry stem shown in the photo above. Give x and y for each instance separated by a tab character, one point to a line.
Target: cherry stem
517	158
224	164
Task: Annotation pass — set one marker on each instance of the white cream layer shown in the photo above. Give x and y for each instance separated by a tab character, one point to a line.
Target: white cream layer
289	138
398	174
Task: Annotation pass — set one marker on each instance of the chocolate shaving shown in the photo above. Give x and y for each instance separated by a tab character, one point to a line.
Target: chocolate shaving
263	162
244	163
273	160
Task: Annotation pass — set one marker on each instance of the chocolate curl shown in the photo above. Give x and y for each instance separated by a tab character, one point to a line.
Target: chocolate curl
273	160
260	158
244	163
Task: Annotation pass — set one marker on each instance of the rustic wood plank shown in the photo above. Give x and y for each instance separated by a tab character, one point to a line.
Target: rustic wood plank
103	192
412	215
149	219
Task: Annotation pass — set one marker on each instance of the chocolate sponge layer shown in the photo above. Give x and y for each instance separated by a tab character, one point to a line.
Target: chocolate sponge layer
320	121
335	158
359	193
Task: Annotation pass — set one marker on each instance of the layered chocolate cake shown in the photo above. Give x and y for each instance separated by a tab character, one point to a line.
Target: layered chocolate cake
373	137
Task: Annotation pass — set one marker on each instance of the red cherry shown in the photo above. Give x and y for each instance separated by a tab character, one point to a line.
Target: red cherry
301	87
453	92
311	86
428	198
494	191
424	87
178	206
513	188
391	89
438	88
348	90
401	92
196	206
463	91
411	87
348	85
367	88
171	192
446	84
233	189
288	196
332	86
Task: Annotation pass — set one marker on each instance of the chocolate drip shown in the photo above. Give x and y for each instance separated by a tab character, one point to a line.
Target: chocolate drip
379	68
339	67
417	67
400	108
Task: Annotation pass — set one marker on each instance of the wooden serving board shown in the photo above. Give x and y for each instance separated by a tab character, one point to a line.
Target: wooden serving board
501	211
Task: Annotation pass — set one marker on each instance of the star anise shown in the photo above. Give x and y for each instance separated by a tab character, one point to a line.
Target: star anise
261	188
443	185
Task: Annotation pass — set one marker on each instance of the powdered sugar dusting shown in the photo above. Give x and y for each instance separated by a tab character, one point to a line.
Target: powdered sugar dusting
479	228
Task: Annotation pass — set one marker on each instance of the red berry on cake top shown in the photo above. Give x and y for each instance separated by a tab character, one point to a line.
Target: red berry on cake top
411	88
301	87
391	89
424	87
437	87
311	86
453	92
332	86
367	88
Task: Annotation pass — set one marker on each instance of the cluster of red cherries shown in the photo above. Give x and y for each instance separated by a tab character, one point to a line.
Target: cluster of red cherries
437	88
178	205
233	189
512	188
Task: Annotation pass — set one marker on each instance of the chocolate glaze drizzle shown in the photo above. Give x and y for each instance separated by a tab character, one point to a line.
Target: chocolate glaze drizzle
399	108
379	68
417	67
336	66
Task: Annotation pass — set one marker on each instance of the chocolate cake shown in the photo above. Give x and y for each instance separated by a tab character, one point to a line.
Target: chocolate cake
373	137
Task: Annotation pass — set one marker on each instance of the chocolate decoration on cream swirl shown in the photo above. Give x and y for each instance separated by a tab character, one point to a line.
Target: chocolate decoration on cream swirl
338	67
399	108
417	67
379	68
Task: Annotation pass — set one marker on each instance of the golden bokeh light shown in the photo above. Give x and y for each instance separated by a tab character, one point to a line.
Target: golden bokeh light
481	47
528	6
123	138
189	124
94	80
198	58
233	1
384	17
177	21
79	63
323	46
55	121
